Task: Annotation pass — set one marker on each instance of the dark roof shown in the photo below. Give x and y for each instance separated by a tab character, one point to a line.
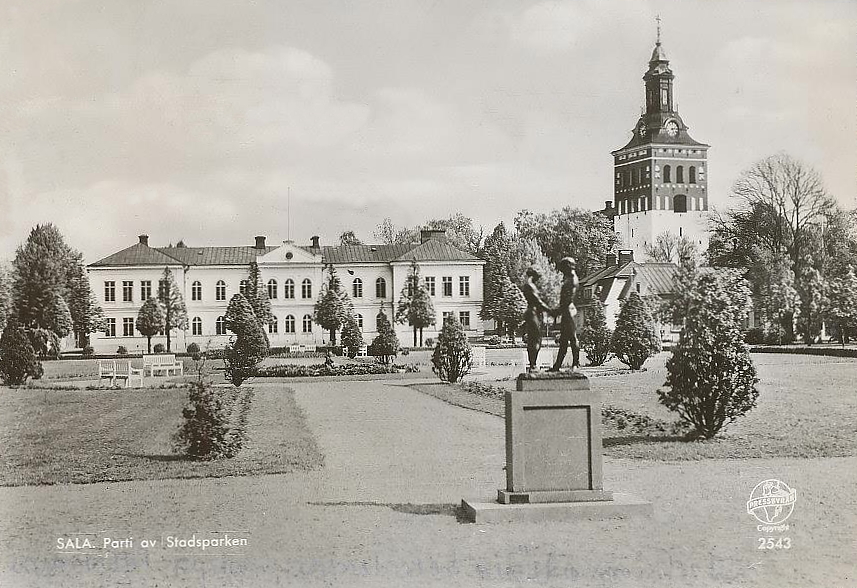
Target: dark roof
660	278
137	254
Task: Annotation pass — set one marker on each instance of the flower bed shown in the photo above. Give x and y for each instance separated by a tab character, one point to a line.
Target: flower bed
289	370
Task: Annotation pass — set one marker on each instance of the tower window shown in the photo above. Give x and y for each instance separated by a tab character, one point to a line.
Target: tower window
679	174
691	175
667	174
680	203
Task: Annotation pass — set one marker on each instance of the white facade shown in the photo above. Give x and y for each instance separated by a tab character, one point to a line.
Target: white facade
295	276
638	229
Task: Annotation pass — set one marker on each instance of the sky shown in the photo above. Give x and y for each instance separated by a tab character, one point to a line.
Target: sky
212	121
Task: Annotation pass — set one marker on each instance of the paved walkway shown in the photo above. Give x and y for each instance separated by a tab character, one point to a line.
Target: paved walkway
381	514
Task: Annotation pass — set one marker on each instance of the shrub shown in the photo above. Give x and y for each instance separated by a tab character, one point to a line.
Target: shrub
595	336
18	359
159	348
215	421
385	346
352	338
710	375
754	336
88	351
290	370
192	349
635	339
122	350
452	357
45	343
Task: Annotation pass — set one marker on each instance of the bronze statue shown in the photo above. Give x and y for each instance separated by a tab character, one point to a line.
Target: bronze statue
533	322
566	312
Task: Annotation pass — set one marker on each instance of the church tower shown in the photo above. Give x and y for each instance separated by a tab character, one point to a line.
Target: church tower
660	176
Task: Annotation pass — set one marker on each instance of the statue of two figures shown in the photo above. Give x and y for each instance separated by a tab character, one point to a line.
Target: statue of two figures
533	321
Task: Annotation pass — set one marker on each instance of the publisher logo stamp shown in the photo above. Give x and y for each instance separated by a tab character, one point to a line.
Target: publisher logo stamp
771	502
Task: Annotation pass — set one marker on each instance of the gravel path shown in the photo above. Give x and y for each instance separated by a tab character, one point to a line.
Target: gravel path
382	513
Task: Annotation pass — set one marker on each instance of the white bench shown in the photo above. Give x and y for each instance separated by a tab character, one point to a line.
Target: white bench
118	370
163	364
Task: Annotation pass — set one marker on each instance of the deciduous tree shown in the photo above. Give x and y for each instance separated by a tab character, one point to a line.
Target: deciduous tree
151	320
415	306
175	311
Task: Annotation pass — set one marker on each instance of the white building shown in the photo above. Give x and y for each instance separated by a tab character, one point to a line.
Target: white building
373	276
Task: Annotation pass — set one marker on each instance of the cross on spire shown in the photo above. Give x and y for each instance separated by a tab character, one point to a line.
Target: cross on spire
658	19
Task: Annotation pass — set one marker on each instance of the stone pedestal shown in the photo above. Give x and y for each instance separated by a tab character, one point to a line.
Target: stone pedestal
553	455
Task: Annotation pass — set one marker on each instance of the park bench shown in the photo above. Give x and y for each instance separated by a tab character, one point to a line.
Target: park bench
118	370
545	360
162	364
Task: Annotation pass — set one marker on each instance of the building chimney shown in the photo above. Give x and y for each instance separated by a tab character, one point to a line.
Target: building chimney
611	260
626	256
429	234
260	241
315	244
144	240
608	204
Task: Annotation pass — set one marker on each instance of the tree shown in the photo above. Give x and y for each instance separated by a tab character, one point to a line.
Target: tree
511	306
388	234
250	344
415	306
586	235
496	254
151	320
778	297
58	317
349	237
5	297
352	338
333	305
452	357
595	336
710	375
529	254
385	345
460	232
86	314
18	360
812	303
175	311
670	248
841	309
256	294
634	339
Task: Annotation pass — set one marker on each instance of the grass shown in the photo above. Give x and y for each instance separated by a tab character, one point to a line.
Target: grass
807	408
83	436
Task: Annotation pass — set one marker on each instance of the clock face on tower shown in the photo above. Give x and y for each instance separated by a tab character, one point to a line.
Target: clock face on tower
671	127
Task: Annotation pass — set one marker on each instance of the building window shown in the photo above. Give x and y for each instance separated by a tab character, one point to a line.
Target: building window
196	326
357	288
378	321
110	327
289	324
464	319
163	285
638	287
430	285
464	285
242	287
691	175
220	290
272	289
307	324
110	292
196	291
448	316
359	318
127	327
220	326
273	327
289	288
447	285
145	290
680	203
380	288
306	289
127	291
667	175
679	174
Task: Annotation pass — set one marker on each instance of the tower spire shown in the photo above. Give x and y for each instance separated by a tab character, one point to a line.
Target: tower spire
658	19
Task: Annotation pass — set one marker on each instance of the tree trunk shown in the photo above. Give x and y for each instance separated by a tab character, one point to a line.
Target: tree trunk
150	344
421	336
415	337
333	337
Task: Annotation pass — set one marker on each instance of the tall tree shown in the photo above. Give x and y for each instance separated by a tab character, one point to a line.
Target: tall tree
333	305
349	237
586	235
5	297
512	305
389	234
496	254
58	318
175	311
460	232
529	254
86	313
250	345
670	248
813	300
841	311
385	345
256	294
634	339
151	320
415	307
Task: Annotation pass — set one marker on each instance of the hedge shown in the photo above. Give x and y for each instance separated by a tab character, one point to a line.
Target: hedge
829	351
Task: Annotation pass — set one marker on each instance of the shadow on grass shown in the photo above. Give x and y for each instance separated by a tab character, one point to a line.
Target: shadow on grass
442	509
153	457
633	439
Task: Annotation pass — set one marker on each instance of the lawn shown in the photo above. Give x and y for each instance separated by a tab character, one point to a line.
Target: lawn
807	407
84	436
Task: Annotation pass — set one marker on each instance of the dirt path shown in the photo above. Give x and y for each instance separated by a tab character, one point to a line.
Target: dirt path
382	513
